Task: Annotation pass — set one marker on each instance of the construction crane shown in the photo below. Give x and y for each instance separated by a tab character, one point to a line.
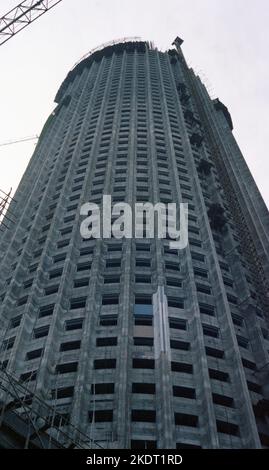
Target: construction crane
22	15
17	141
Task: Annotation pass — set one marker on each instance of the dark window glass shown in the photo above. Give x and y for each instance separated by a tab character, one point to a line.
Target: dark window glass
182	419
145	416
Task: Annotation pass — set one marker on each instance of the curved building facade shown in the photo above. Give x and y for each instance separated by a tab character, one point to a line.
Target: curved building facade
135	344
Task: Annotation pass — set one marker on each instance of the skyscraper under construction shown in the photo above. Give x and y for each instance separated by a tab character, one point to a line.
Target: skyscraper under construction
132	343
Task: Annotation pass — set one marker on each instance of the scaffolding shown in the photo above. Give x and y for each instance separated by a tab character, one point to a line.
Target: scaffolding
246	239
36	423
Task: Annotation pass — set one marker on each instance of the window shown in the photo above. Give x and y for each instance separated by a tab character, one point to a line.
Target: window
180	345
41	332
110	299
22	301
29	376
143	364
173	281
28	283
109	341
264	439
248	364
45	228
228	282
193	229
115	247
237	319
46	311
143	263
172	266
55	273
184	445
113	263
142	247
34	354
203	289
243	342
224	266
33	267
59	258
15	322
175	302
111	279
210	330
168	251
183	419
213	352
232	299
143	341
51	290
70	346
66	392
67	367
227	428
74	324
201	272
218	375
82	282
143	306
102	389
70	217
182	367
101	416
143	388
63	243
138	444
207	309
84	266
144	416
197	256
79	302
8	344
222	400
108	320
254	387
177	324
143	279
184	392
195	242
105	363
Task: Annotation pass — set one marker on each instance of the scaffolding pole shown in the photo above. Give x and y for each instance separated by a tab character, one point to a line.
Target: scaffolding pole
43	420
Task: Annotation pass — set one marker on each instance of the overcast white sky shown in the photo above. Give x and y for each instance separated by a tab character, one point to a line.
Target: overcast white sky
227	41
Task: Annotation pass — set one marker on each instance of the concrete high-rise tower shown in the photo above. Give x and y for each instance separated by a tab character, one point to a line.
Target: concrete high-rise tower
138	345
